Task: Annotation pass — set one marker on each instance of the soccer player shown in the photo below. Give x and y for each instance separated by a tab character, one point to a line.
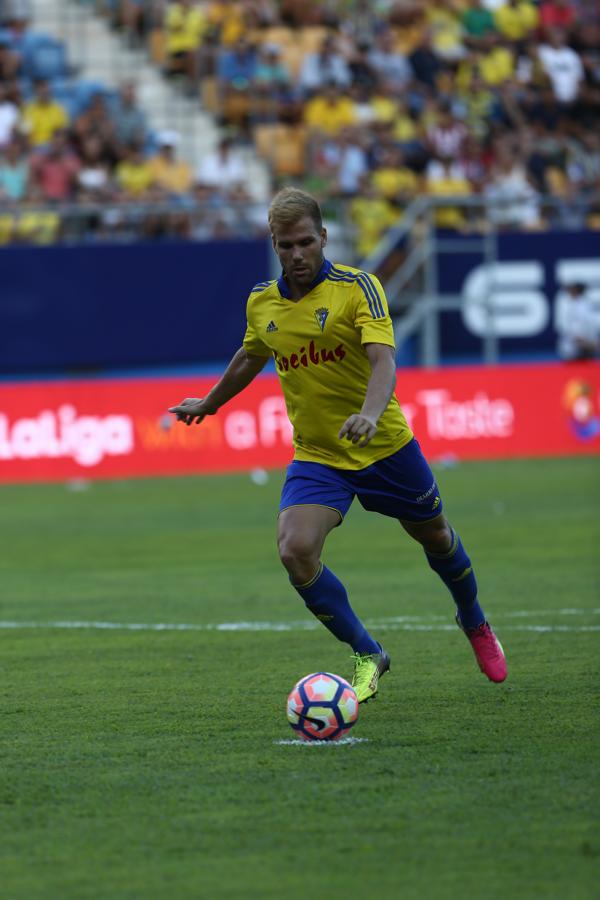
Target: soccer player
329	331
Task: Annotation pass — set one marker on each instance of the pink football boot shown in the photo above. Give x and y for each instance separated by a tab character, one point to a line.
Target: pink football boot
487	649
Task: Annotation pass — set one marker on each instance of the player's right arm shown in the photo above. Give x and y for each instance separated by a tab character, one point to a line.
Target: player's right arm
243	368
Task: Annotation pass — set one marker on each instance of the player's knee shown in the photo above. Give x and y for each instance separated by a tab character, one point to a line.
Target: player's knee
298	553
435	536
439	538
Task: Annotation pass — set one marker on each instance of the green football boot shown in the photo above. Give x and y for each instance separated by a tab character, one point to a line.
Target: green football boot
368	669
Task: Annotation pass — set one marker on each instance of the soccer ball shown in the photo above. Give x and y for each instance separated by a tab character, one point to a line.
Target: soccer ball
322	707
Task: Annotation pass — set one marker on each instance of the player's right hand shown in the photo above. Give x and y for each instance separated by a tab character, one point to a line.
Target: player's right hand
190	410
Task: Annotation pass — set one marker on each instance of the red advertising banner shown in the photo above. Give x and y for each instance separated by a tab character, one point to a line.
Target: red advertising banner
120	428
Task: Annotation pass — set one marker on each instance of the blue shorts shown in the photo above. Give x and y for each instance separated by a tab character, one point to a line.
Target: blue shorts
401	486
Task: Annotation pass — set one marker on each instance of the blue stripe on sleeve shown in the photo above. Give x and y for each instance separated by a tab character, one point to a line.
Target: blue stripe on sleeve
372	298
376	307
378	302
368	296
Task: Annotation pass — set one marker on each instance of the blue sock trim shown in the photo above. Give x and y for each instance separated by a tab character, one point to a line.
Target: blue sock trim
456	571
326	598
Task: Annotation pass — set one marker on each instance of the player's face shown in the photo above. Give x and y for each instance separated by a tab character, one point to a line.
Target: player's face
300	251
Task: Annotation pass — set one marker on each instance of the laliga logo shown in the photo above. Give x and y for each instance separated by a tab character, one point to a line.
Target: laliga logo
86	439
577	399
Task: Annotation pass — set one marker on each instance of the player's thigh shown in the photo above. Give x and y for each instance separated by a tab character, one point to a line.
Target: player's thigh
301	530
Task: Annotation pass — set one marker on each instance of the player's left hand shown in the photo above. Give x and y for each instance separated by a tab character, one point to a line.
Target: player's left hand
359	429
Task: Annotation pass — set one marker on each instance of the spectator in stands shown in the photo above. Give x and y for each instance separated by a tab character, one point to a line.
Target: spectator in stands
326	66
391	66
14	171
10	61
493	61
226	21
133	174
513	201
361	21
557	14
9	116
446	178
446	136
330	110
371	215
245	217
37	226
583	161
171	175
236	71
185	26
272	82
346	162
569	209
393	179
385	104
362	73
128	119
476	107
577	326
209	206
425	63
477	21
54	171
93	178
43	116
563	67
96	121
443	23
223	168
516	19
474	162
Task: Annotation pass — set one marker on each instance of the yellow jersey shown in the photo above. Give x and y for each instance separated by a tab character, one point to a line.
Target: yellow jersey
317	344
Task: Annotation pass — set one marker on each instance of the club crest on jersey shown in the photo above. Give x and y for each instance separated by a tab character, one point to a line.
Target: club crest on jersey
321	316
272	327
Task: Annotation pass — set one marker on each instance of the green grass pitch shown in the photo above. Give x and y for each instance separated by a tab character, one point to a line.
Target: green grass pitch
146	763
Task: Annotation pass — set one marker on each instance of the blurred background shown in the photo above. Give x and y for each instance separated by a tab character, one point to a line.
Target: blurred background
453	144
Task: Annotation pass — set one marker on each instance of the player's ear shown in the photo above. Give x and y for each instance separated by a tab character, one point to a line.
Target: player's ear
323	237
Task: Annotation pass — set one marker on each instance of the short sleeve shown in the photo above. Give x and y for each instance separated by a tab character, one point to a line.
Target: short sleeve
372	317
252	342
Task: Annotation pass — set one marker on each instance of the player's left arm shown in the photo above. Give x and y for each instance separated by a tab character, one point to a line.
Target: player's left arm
360	428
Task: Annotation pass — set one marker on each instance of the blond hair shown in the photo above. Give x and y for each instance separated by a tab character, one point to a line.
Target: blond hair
290	205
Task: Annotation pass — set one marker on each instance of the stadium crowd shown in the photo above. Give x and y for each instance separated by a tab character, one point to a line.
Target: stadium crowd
366	103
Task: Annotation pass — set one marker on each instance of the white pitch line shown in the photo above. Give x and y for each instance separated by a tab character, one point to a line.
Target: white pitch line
343	742
397	623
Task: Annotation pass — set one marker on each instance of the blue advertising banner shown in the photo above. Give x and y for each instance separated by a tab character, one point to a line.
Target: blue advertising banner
522	293
87	308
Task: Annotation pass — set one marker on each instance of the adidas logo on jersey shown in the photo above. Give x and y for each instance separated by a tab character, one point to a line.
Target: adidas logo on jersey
272	327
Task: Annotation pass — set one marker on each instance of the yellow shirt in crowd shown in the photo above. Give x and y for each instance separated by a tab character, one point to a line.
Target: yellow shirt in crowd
42	120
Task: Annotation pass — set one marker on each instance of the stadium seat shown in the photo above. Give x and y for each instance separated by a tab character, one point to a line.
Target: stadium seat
264	139
278	34
311	37
290	151
157	46
283	146
292	56
85	91
209	92
44	57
